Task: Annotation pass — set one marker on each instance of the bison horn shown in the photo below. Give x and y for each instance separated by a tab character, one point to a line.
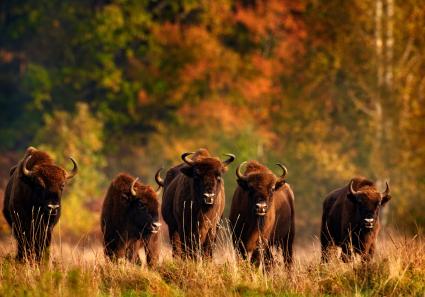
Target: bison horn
387	190
24	167
186	160
230	159
238	170
284	170
74	170
158	179
132	189
351	188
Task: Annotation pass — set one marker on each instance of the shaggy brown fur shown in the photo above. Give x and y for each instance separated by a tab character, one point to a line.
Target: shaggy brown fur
257	234
192	224
343	219
128	222
27	200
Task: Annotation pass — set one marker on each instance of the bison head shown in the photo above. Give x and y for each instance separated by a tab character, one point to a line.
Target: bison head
207	176
47	182
142	213
260	186
368	202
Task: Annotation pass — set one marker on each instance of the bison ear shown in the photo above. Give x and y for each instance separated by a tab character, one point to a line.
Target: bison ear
385	199
187	170
243	184
280	183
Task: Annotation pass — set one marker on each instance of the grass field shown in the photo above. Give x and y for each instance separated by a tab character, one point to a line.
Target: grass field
80	270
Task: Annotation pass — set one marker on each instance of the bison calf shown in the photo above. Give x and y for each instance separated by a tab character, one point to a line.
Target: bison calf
129	220
32	202
262	213
351	219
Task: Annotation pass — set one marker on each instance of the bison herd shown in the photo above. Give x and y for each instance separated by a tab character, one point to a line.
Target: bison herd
262	215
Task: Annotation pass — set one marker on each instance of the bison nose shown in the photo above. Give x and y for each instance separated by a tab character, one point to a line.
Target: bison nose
155	227
208	198
261	208
53	209
53	206
369	223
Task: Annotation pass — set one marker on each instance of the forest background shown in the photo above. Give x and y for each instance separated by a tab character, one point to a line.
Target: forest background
331	88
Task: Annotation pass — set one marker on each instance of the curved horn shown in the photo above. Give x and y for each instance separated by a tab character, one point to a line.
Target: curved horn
186	160
238	170
351	188
230	159
387	190
74	170
284	170
132	189
158	178
25	171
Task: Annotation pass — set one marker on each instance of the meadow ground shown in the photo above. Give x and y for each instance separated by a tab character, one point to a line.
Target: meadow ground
79	269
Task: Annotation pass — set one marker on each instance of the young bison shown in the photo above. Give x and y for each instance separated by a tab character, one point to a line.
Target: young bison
351	219
130	220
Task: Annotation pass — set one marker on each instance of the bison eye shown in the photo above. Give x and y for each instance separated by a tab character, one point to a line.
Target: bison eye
218	177
140	205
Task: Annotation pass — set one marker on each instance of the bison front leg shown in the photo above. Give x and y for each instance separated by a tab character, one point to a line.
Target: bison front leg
325	243
132	252
42	245
368	255
23	249
346	253
152	250
268	258
207	247
263	254
176	243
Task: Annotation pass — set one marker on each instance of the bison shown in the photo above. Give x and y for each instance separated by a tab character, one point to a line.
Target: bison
350	219
130	220
32	202
193	203
262	214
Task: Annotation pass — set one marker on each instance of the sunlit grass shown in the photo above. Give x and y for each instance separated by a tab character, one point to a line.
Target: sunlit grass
77	270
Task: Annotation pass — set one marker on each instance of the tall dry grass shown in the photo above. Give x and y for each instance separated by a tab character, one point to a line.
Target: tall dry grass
80	269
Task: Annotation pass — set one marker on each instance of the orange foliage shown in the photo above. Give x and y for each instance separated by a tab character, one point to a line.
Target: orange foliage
216	114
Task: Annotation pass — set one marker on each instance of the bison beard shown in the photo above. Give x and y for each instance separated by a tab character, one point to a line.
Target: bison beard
32	202
193	203
262	214
129	220
350	219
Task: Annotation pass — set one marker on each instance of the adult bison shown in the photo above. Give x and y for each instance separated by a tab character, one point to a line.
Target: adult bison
351	219
32	202
130	220
193	202
262	214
